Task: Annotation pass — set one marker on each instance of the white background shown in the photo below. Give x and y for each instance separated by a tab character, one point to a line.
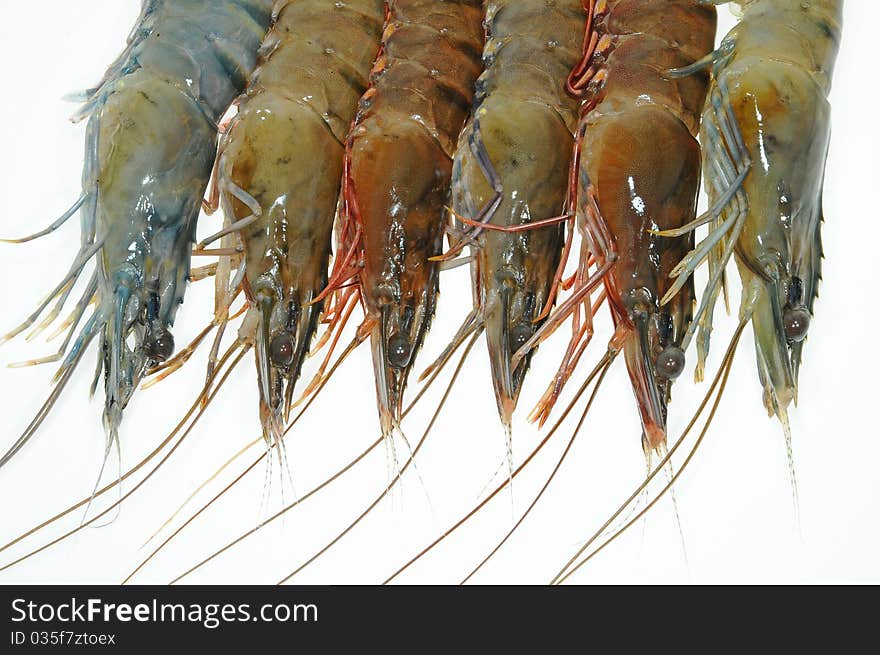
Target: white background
734	501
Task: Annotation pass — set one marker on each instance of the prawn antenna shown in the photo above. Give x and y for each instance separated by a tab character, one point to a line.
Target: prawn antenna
35	423
601	369
397	477
284	510
241	475
92	327
719	383
503	485
116	504
61	220
150	456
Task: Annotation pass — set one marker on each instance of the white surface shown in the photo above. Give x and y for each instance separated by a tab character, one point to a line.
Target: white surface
734	501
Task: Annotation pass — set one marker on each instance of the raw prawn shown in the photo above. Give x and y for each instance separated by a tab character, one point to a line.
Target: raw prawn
398	171
510	177
638	173
282	152
636	169
765	135
279	178
150	146
766	131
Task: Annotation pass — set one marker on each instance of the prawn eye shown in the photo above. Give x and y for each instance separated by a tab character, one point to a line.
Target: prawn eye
160	348
281	350
519	335
670	362
796	322
398	351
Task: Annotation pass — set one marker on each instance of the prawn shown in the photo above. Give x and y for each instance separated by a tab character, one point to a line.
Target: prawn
510	178
398	168
422	46
396	178
279	175
766	132
765	135
638	171
513	182
150	146
636	167
283	151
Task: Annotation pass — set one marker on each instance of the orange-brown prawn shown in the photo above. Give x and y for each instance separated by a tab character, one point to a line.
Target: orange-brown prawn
638	171
398	170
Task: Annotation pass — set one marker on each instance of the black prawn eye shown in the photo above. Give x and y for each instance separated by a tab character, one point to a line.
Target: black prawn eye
670	362
796	323
519	335
398	351
281	350
160	347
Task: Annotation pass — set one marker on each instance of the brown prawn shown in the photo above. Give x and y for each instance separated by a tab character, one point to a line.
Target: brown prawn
398	171
638	171
635	170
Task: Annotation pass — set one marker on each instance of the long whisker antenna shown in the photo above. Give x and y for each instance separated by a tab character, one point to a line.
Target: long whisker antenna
580	392
467	328
133	489
54	225
605	365
247	470
241	451
720	379
60	384
111	485
402	470
282	511
261	524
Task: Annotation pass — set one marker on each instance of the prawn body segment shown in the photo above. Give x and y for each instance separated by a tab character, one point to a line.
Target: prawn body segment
766	132
283	157
511	170
399	165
